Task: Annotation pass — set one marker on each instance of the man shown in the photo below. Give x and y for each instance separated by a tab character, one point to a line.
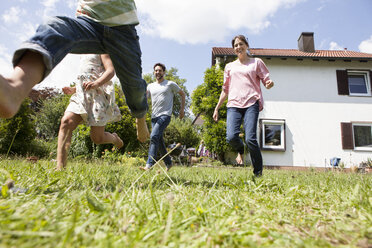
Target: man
101	27
161	92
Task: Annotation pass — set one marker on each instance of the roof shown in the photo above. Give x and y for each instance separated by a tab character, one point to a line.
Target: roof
287	53
198	121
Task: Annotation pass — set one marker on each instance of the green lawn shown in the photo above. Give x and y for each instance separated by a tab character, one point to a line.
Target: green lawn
101	204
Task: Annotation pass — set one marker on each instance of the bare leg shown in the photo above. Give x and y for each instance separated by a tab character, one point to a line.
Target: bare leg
239	159
15	89
142	130
99	136
69	123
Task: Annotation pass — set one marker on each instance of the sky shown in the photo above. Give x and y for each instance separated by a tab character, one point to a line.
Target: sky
181	34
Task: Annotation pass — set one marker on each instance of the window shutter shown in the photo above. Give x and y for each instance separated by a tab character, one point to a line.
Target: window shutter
370	78
347	135
342	82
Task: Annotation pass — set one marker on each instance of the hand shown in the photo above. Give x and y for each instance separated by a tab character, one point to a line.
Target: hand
215	115
90	85
269	84
69	90
182	114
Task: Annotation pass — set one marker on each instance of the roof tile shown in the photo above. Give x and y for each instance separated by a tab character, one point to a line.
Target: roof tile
344	54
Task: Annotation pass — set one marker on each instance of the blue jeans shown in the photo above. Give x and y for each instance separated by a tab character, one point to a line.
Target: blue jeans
157	144
62	35
235	117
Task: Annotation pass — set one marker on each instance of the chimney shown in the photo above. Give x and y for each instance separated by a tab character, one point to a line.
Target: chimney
306	42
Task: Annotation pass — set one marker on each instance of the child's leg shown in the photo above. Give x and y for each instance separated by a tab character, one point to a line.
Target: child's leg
69	123
13	90
142	130
99	136
52	42
125	52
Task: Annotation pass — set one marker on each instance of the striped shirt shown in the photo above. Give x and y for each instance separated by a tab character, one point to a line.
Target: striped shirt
109	12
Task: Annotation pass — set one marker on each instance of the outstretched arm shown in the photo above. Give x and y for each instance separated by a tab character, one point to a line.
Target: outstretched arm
223	97
182	109
105	77
269	84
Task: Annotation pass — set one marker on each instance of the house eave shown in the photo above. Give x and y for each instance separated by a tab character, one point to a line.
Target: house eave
312	57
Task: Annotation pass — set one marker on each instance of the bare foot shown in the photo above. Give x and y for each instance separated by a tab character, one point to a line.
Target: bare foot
142	130
239	159
59	168
144	168
9	100
13	90
118	142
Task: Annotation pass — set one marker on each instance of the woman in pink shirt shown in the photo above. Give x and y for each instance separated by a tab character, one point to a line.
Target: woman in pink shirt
242	88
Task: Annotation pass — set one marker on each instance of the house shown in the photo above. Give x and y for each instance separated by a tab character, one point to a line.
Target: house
319	108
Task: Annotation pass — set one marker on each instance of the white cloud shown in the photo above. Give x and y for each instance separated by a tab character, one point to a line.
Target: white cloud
195	21
5	61
49	8
334	46
26	31
64	73
13	14
49	3
72	4
366	46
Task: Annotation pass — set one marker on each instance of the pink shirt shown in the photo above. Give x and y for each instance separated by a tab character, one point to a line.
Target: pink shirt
242	83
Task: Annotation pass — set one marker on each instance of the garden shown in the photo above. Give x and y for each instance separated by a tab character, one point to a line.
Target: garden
111	203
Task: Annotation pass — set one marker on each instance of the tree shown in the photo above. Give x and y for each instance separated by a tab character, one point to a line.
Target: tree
48	119
204	100
181	131
17	134
171	75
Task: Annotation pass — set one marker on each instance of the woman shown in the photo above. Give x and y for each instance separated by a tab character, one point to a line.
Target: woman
93	103
242	88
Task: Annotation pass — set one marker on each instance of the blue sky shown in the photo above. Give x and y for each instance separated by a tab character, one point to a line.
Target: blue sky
181	34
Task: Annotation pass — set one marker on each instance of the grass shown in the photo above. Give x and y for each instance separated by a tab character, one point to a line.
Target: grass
99	204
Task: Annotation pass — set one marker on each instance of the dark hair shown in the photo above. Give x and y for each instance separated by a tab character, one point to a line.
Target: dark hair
240	37
161	65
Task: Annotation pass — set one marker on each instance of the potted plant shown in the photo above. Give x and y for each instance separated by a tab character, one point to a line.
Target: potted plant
369	165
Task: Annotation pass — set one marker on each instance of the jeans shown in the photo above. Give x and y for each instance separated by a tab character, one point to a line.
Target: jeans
235	117
157	144
62	35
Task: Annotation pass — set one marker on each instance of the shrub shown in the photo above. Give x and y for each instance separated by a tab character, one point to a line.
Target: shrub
181	131
48	119
17	133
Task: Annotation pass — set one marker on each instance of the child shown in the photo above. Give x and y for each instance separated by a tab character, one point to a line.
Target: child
93	102
101	27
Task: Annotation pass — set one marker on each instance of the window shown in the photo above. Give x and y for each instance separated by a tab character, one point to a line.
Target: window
362	136
358	84
357	136
272	135
354	82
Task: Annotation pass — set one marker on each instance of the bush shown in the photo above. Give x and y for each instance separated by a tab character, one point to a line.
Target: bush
81	144
204	100
181	131
48	119
42	148
17	134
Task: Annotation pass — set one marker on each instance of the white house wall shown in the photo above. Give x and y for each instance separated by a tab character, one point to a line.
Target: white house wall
306	97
